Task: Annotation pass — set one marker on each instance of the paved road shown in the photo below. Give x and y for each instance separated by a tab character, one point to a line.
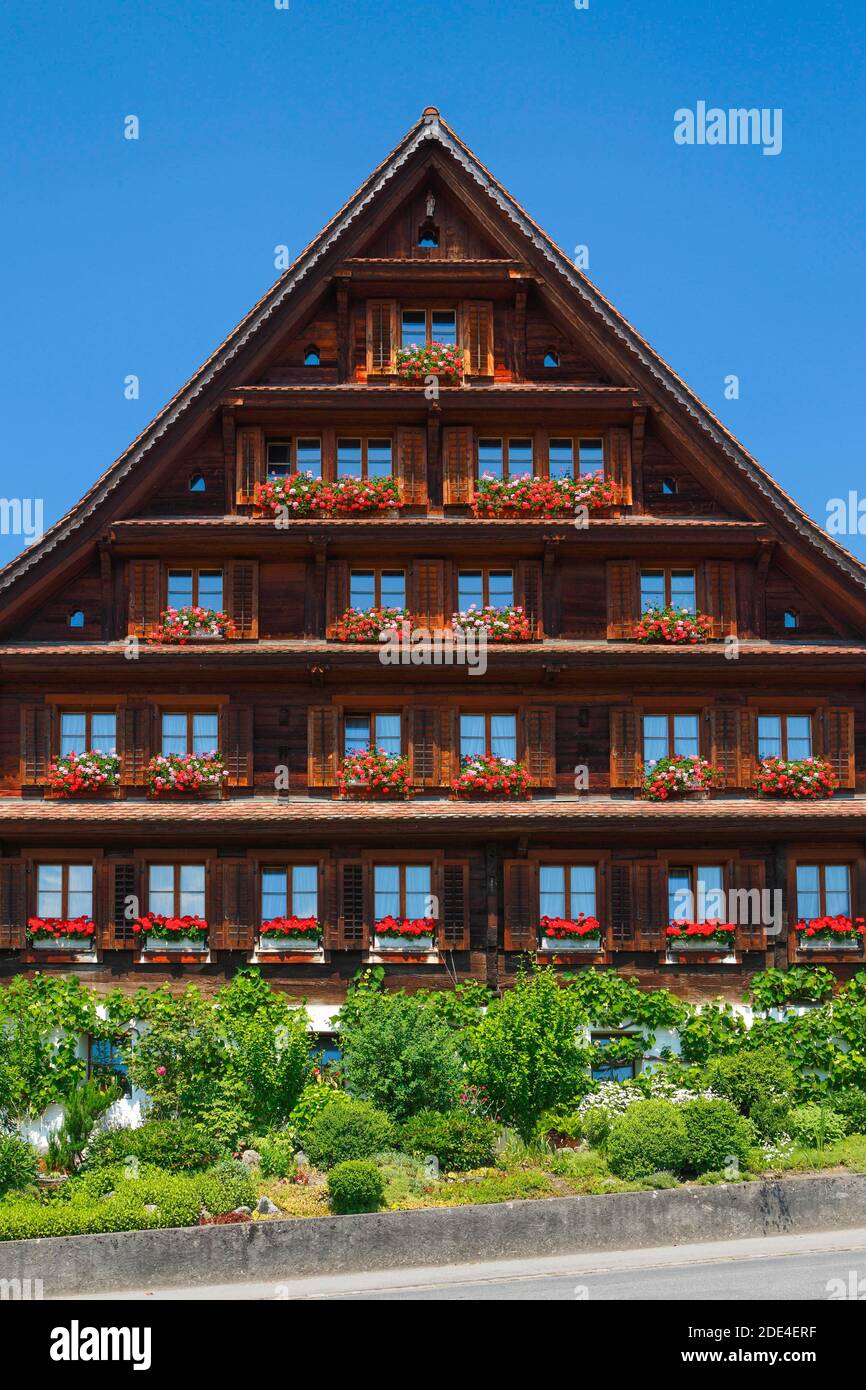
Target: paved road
779	1267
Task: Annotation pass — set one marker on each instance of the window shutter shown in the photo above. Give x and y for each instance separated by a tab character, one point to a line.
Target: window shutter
124	905
458	465
423	725
622	598
235	915
626	766
454	907
427	593
13	904
241	578
236	743
748	746
529	593
337	592
381	335
521	904
749	876
412	466
651	905
719	599
724	740
321	746
838	743
328	905
35	744
352	918
622	905
136	743
477	336
539	744
145	597
619	462
250	463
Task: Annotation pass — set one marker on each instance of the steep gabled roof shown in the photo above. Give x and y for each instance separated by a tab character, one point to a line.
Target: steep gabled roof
432	128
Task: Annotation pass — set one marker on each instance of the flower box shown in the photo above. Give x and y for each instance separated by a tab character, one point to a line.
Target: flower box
681	777
61	934
800	779
410	937
838	933
567	934
185	773
674	626
181	935
302	495
374	773
368	625
182	945
539	497
290	934
183	625
487	776
508	624
90	773
443	360
716	938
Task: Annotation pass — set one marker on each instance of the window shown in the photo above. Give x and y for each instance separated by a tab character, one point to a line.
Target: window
485	588
696	894
420	327
561	455
363	731
190	733
591	456
669	487
85	731
511	458
176	890
76	618
660	588
428	234
311	356
611	1070
364	458
791	620
566	890
105	1060
551	359
197	483
784	736
64	890
667	734
287	456
402	891
195	588
823	890
291	891
377	589
488	733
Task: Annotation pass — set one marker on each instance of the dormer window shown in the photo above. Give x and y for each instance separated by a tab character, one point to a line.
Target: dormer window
191	588
76	618
197	483
420	327
311	356
551	359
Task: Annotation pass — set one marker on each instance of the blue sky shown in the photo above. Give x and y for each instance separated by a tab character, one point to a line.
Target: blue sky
124	257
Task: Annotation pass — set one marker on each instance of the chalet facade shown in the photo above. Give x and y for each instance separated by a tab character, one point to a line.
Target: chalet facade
328	457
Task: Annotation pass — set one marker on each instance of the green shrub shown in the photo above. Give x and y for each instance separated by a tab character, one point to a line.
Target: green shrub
563	1120
175	1146
355	1186
225	1186
747	1076
596	1123
769	1115
353	1129
851	1105
311	1102
813	1125
716	1134
277	1151
649	1137
18	1163
400	1053
459	1140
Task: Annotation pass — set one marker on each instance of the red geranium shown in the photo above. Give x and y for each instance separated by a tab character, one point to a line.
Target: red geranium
833	928
566	928
59	928
297	928
166	928
407	929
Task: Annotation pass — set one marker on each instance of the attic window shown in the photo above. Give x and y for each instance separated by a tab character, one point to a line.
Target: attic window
669	487
76	618
551	359
428	234
311	356
197	483
791	620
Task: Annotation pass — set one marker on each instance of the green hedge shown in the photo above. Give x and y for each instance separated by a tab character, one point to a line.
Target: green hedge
351	1129
173	1145
459	1141
355	1186
649	1138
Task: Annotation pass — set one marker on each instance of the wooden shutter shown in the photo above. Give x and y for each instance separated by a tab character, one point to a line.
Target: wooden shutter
619	462
748	746
622	598
454	906
719	597
35	744
236	744
724	742
539	744
521	904
476	332
626	764
749	876
528	593
424	725
336	592
13	904
124	905
352	897
427	593
382	335
249	462
145	596
458	465
241	590
651	904
412	466
838	743
322	725
622	905
235	915
136	743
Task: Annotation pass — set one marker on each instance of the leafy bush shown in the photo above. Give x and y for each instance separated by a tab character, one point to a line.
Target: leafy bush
18	1164
87	1103
225	1186
277	1151
650	1137
596	1124
354	1129
750	1075
716	1134
851	1104
401	1054
769	1115
814	1125
175	1146
563	1121
311	1102
355	1186
459	1140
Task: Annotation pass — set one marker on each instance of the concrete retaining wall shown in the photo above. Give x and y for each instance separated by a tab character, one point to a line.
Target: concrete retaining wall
280	1250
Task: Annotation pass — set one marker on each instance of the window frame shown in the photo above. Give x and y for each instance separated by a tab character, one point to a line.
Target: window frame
784	715
66	708
428	311
567	864
178	862
671	715
291	441
364	439
485	571
822	864
196	570
668	571
288	866
65	861
692	865
505	440
576	440
377	571
189	715
488	716
371	715
401	863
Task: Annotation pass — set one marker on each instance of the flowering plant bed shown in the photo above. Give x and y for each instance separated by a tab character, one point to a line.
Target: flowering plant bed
376	772
172	933
438	359
303	495
184	772
83	772
677	626
297	933
530	496
414	934
501	624
701	935
65	934
831	932
182	625
803	779
679	775
368	624
564	933
491	776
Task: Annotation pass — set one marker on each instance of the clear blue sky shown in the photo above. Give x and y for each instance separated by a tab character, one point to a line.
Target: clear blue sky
137	257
